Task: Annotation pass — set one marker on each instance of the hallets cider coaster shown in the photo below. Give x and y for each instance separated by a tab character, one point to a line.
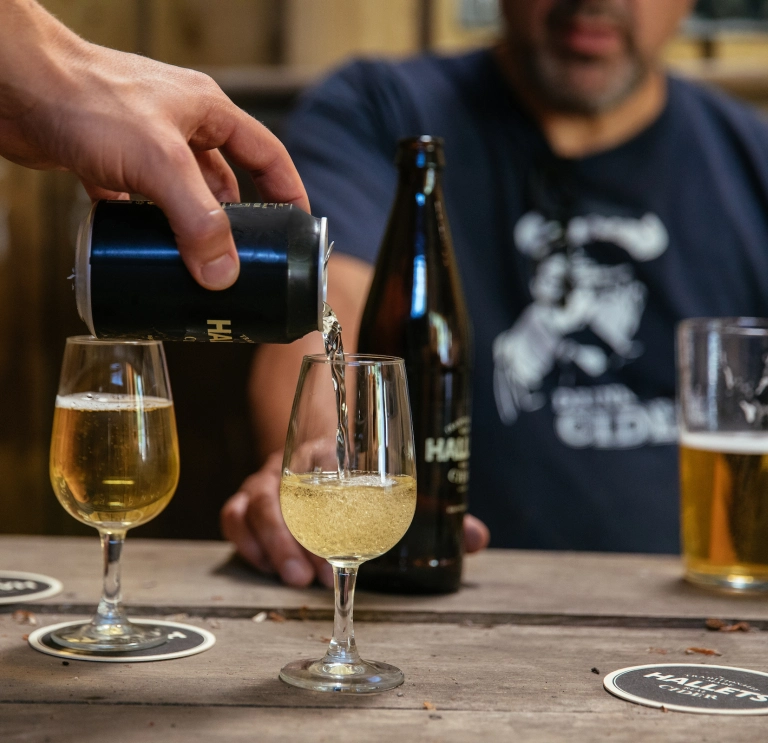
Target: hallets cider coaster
183	640
688	687
16	587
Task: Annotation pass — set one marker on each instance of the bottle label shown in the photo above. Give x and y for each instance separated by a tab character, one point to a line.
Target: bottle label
453	448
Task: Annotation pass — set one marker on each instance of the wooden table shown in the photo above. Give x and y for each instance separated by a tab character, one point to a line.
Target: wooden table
508	658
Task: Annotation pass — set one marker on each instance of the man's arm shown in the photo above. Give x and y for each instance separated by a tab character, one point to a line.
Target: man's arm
127	124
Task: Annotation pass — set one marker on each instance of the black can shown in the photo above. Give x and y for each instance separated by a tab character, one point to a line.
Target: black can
131	282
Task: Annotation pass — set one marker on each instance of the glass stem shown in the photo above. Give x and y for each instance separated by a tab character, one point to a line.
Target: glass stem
110	610
342	648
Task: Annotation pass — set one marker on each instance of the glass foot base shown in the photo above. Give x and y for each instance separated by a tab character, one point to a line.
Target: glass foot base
360	678
732	582
112	638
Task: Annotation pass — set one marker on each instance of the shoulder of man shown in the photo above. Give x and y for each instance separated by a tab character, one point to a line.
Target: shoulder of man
394	94
706	104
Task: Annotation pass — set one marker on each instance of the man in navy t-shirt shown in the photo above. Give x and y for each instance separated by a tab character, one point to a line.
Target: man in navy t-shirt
594	202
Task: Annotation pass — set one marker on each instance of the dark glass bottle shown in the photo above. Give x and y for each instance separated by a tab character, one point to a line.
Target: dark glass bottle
416	310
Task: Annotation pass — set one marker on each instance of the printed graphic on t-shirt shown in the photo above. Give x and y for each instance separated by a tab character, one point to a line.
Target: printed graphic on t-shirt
572	293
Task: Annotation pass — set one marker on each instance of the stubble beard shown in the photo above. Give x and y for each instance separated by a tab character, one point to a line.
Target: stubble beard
552	77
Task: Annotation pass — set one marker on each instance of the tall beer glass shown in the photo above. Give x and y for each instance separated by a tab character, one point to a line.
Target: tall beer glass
114	465
723	409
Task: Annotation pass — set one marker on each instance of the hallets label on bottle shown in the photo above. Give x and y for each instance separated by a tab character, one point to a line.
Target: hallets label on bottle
448	449
453	446
461	425
458	476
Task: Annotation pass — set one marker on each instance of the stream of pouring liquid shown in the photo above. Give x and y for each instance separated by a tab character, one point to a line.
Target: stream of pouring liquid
334	350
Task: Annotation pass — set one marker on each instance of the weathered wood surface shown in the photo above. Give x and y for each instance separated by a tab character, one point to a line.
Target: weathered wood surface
535	682
483	662
454	667
145	724
500	585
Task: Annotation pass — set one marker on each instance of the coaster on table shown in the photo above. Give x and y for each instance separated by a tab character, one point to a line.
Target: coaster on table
183	640
689	687
16	587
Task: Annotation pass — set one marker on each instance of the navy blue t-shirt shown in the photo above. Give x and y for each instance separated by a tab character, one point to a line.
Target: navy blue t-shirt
575	274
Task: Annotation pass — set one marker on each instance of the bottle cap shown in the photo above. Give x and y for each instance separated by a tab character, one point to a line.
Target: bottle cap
420	152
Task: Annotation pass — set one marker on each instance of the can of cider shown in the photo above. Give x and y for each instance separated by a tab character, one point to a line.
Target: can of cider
131	283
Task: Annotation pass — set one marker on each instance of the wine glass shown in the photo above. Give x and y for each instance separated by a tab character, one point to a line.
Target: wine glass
114	465
348	498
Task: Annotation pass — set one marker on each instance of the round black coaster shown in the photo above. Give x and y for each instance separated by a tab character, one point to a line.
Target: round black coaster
16	587
687	687
183	640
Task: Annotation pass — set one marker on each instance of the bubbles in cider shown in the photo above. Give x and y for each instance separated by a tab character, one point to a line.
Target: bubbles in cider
354	518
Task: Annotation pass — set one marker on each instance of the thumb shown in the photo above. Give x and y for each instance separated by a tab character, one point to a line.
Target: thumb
476	534
171	177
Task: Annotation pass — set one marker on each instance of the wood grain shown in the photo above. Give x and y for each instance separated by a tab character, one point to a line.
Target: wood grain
141	723
515	681
23	367
114	23
530	682
321	33
455	668
227	32
501	586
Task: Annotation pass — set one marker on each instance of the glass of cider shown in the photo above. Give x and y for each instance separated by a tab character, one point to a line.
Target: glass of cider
348	494
114	464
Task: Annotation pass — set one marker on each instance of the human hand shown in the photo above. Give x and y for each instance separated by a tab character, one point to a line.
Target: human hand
251	519
127	124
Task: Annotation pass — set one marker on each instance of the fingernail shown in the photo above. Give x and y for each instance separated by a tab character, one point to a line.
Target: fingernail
295	572
325	574
219	273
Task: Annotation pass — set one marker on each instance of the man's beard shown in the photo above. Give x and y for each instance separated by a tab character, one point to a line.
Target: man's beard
555	73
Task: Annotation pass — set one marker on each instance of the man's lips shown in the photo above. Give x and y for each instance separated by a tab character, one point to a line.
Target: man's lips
590	37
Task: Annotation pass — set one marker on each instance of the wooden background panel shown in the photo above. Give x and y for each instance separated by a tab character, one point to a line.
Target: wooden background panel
321	33
24	372
192	33
449	35
112	23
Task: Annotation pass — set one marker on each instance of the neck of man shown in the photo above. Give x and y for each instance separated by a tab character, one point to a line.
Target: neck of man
575	135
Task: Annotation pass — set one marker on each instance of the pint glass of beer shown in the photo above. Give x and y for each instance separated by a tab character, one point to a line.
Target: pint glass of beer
723	416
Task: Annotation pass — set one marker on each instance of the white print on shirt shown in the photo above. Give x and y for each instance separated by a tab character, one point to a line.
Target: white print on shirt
571	293
611	417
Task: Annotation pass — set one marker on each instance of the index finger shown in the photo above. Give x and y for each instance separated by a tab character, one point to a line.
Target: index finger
251	146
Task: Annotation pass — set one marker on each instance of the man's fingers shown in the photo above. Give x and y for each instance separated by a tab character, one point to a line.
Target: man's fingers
234	528
476	534
253	147
171	177
218	175
323	570
96	192
265	521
